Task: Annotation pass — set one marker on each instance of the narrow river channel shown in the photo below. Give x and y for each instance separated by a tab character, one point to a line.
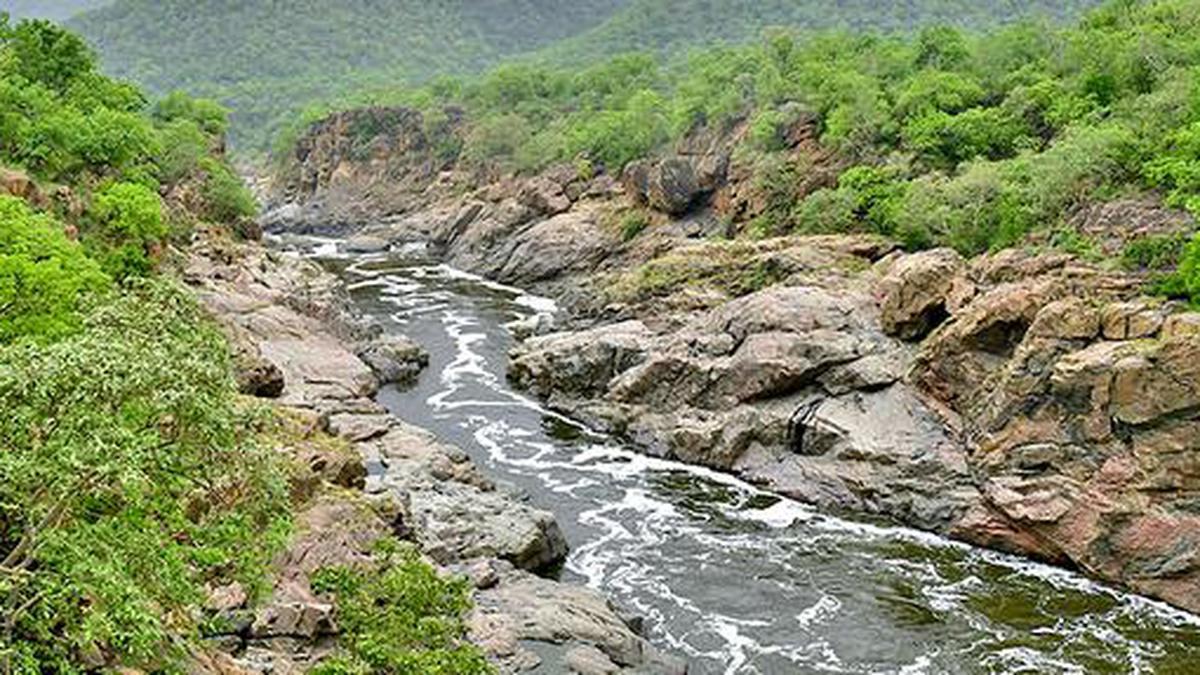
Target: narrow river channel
734	579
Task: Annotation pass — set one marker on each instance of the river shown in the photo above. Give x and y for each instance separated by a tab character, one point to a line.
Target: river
734	579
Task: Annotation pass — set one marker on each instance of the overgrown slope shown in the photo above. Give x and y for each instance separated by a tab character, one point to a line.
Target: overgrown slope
134	478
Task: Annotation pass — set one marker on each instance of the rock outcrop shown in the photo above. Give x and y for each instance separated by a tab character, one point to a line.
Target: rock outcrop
793	387
1078	403
399	481
1029	403
1032	403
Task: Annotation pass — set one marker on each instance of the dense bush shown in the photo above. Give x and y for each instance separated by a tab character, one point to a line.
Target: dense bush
127	482
130	478
226	197
46	280
65	123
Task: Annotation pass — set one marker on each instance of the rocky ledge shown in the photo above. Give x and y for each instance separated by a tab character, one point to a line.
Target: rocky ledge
373	476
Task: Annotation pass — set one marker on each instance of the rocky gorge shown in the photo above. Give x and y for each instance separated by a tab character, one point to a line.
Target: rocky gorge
373	477
1026	401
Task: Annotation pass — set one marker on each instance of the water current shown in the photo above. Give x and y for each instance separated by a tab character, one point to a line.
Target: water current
731	578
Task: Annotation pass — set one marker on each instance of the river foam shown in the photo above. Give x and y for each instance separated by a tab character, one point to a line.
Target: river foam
737	579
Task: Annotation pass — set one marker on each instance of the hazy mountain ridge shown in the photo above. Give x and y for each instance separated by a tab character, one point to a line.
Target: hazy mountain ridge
262	61
57	10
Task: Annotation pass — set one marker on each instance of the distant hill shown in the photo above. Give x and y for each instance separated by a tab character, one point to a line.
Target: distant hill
269	64
669	26
264	61
57	10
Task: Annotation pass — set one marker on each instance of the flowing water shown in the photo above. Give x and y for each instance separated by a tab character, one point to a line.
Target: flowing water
732	578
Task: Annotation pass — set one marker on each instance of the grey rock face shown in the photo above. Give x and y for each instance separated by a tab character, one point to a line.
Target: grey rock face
793	387
588	634
676	184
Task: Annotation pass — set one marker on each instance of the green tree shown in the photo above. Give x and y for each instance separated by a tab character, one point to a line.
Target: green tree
47	54
46	280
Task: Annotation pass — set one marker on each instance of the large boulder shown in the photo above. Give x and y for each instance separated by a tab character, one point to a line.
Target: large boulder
544	196
394	358
918	292
676	184
588	633
567	243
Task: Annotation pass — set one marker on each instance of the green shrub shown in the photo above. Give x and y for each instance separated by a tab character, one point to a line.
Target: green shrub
633	224
497	138
1184	282
184	145
1157	252
869	198
401	618
128	222
46	280
1178	170
226	197
944	140
766	130
128	482
614	138
211	117
826	211
130	212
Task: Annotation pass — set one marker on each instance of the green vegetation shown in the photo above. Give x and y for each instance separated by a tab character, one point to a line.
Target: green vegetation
270	65
672	26
400	618
46	280
133	477
267	64
634	223
128	481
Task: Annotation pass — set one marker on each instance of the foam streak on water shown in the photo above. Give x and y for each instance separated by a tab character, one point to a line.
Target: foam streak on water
737	580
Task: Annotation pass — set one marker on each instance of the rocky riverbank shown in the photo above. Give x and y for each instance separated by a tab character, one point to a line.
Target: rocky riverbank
1027	400
372	477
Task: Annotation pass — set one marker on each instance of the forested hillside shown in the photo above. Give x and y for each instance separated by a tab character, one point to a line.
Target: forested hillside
57	10
671	26
268	64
